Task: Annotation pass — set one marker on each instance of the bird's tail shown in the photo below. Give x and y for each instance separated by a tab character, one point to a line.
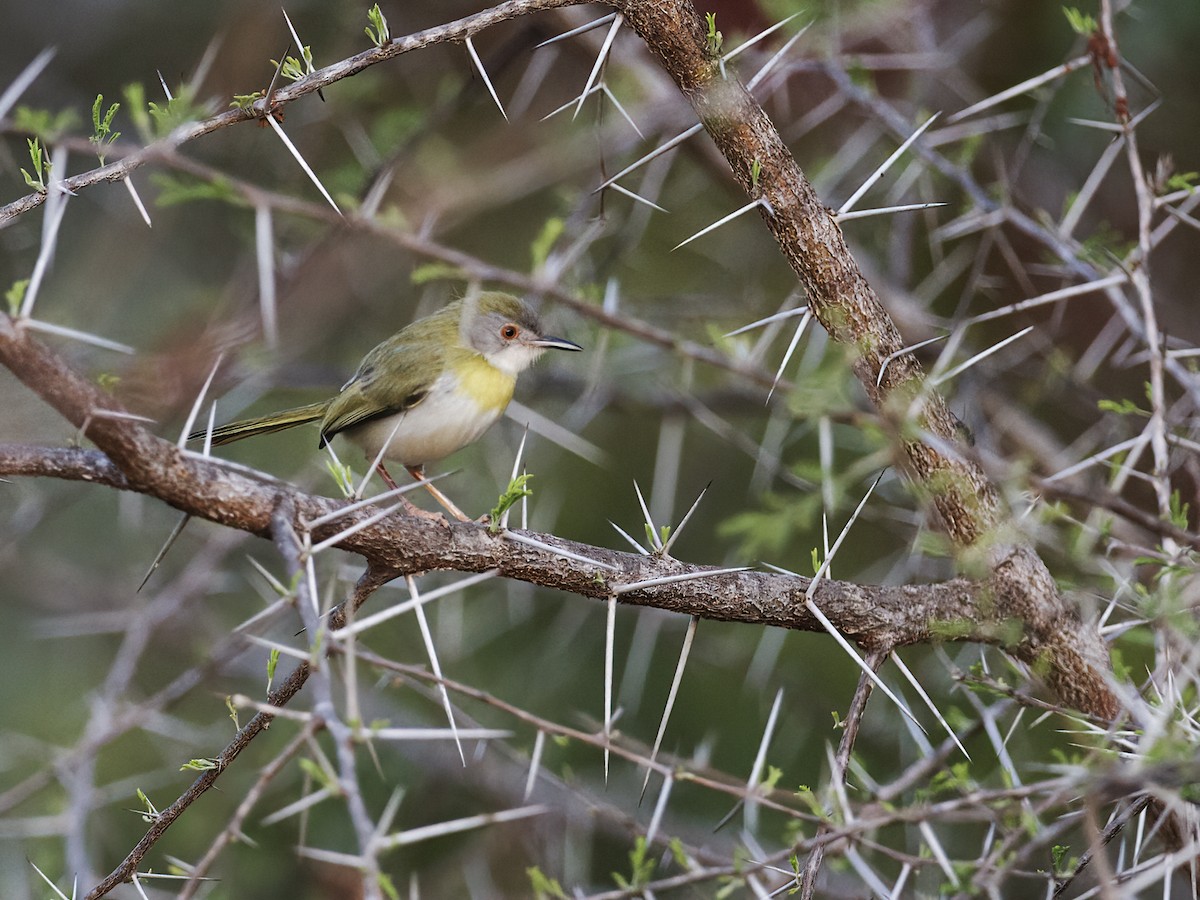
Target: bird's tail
288	418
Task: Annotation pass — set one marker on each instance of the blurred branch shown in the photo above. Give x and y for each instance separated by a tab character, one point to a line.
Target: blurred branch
451	32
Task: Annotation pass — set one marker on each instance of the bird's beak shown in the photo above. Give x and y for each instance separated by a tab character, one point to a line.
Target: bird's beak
554	343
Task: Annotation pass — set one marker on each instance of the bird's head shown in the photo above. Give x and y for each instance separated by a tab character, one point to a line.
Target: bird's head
506	331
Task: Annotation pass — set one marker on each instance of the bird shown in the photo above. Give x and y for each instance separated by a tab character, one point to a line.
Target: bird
427	391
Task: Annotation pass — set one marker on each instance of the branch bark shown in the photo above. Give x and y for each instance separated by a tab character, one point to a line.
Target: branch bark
1073	658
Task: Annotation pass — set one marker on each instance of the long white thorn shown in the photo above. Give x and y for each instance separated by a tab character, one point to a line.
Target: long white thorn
264	246
790	350
600	57
287	142
884	166
678	529
433	662
194	412
597	23
746	45
885	211
655	540
1017	89
484	75
137	201
21	83
610	629
775	58
653	154
638	197
684	652
717	224
777	317
983	354
760	761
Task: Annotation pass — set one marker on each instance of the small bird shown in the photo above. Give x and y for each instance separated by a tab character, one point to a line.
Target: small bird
428	390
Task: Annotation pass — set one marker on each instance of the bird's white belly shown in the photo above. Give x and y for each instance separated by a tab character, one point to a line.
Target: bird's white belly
442	423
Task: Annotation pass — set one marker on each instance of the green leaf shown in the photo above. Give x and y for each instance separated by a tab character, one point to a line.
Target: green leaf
294	69
245	101
1081	23
102	133
202	764
15	294
41	165
517	488
343	476
1183	181
151	811
388	886
377	30
233	712
272	663
544	886
542	245
713	38
436	272
1125	407
45	124
174	190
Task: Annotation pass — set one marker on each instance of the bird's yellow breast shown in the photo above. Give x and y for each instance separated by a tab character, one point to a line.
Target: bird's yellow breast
488	386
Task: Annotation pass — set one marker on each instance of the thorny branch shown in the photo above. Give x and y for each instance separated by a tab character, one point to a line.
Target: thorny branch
1015	604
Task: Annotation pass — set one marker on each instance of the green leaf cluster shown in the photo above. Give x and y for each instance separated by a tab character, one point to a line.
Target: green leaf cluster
377	29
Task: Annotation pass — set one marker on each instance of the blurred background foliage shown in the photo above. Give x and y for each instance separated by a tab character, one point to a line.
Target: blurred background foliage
518	195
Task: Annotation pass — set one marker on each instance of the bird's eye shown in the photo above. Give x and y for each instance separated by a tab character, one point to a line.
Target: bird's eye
509	331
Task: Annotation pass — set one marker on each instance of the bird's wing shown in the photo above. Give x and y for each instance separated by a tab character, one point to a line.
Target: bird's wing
393	377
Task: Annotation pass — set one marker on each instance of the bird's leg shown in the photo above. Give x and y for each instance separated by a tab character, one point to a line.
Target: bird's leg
418	472
410	508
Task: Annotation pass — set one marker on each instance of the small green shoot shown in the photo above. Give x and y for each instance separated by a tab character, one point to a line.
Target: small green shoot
771	781
245	101
517	488
108	381
713	37
377	30
294	69
155	120
1124	407
343	477
103	135
319	775
15	295
47	125
755	171
272	663
544	886
1179	511
174	190
436	271
41	165
664	534
150	813
202	764
1057	854
1081	23
1183	181
388	886
233	712
641	865
542	244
